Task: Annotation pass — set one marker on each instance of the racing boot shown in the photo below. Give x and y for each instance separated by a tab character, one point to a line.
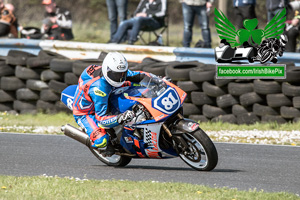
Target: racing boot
99	138
109	151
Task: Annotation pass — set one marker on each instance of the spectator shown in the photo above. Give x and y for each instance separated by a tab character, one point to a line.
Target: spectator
275	6
292	32
116	8
7	21
244	9
190	8
15	26
57	24
148	15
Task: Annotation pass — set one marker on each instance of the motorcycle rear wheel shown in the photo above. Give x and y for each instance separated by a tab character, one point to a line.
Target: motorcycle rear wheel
202	154
114	160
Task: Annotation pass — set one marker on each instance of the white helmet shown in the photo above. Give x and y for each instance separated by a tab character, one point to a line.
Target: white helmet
114	69
283	40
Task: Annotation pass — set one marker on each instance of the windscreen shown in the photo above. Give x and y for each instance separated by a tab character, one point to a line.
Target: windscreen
153	89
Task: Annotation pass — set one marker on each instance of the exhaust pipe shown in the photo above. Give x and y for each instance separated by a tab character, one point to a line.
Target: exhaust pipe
76	134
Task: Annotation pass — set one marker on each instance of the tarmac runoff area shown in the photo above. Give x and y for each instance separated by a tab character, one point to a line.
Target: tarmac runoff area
237	136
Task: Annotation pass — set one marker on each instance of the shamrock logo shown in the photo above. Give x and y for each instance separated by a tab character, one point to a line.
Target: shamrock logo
227	31
255	35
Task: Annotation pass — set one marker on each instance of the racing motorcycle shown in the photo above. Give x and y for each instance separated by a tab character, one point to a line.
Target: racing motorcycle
157	131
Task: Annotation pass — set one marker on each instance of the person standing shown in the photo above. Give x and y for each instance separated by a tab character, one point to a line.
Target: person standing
292	31
243	9
116	8
275	6
191	8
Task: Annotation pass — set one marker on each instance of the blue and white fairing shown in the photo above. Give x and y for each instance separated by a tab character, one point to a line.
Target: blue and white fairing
67	96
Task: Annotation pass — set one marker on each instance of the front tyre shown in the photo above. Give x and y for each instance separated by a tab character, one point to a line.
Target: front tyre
114	160
201	153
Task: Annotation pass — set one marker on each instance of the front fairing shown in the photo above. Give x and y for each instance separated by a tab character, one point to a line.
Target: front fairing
149	146
160	100
119	103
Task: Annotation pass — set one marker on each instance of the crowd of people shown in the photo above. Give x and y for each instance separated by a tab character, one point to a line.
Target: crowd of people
149	15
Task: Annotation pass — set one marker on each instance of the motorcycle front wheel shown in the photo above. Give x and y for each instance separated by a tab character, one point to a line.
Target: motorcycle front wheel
201	153
114	160
266	56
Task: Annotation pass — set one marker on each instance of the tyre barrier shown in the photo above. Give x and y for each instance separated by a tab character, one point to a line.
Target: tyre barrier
33	83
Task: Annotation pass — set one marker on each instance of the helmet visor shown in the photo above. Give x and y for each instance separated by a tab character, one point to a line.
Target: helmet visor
117	76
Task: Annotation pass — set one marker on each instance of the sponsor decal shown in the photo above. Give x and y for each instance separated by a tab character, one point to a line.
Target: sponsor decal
193	126
91	70
121	67
128	139
151	140
136	84
96	134
108	121
99	92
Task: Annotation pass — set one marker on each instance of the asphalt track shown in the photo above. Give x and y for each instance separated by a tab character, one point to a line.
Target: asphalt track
242	166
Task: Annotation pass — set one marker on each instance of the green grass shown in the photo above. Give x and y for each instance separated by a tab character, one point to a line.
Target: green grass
70	188
51	123
219	126
39	119
60	119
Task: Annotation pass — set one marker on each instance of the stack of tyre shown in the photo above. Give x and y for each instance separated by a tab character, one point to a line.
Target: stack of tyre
30	83
237	101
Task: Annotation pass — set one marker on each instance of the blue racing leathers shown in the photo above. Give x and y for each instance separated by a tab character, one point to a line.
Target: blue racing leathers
90	105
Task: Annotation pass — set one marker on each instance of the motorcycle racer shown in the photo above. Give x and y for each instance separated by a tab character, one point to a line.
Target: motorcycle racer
90	107
272	47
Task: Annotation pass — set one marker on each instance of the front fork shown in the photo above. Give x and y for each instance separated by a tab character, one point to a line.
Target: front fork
179	144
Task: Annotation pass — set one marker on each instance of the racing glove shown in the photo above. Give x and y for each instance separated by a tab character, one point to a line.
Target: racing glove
125	117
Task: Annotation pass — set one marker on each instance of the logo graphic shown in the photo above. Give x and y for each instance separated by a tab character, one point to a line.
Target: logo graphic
70	103
99	92
193	126
121	67
168	102
252	47
128	139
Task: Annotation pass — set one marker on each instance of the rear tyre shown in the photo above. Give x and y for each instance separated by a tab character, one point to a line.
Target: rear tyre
114	160
202	154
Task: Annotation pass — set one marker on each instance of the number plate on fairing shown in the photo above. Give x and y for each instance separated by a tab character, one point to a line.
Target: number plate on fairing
168	102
